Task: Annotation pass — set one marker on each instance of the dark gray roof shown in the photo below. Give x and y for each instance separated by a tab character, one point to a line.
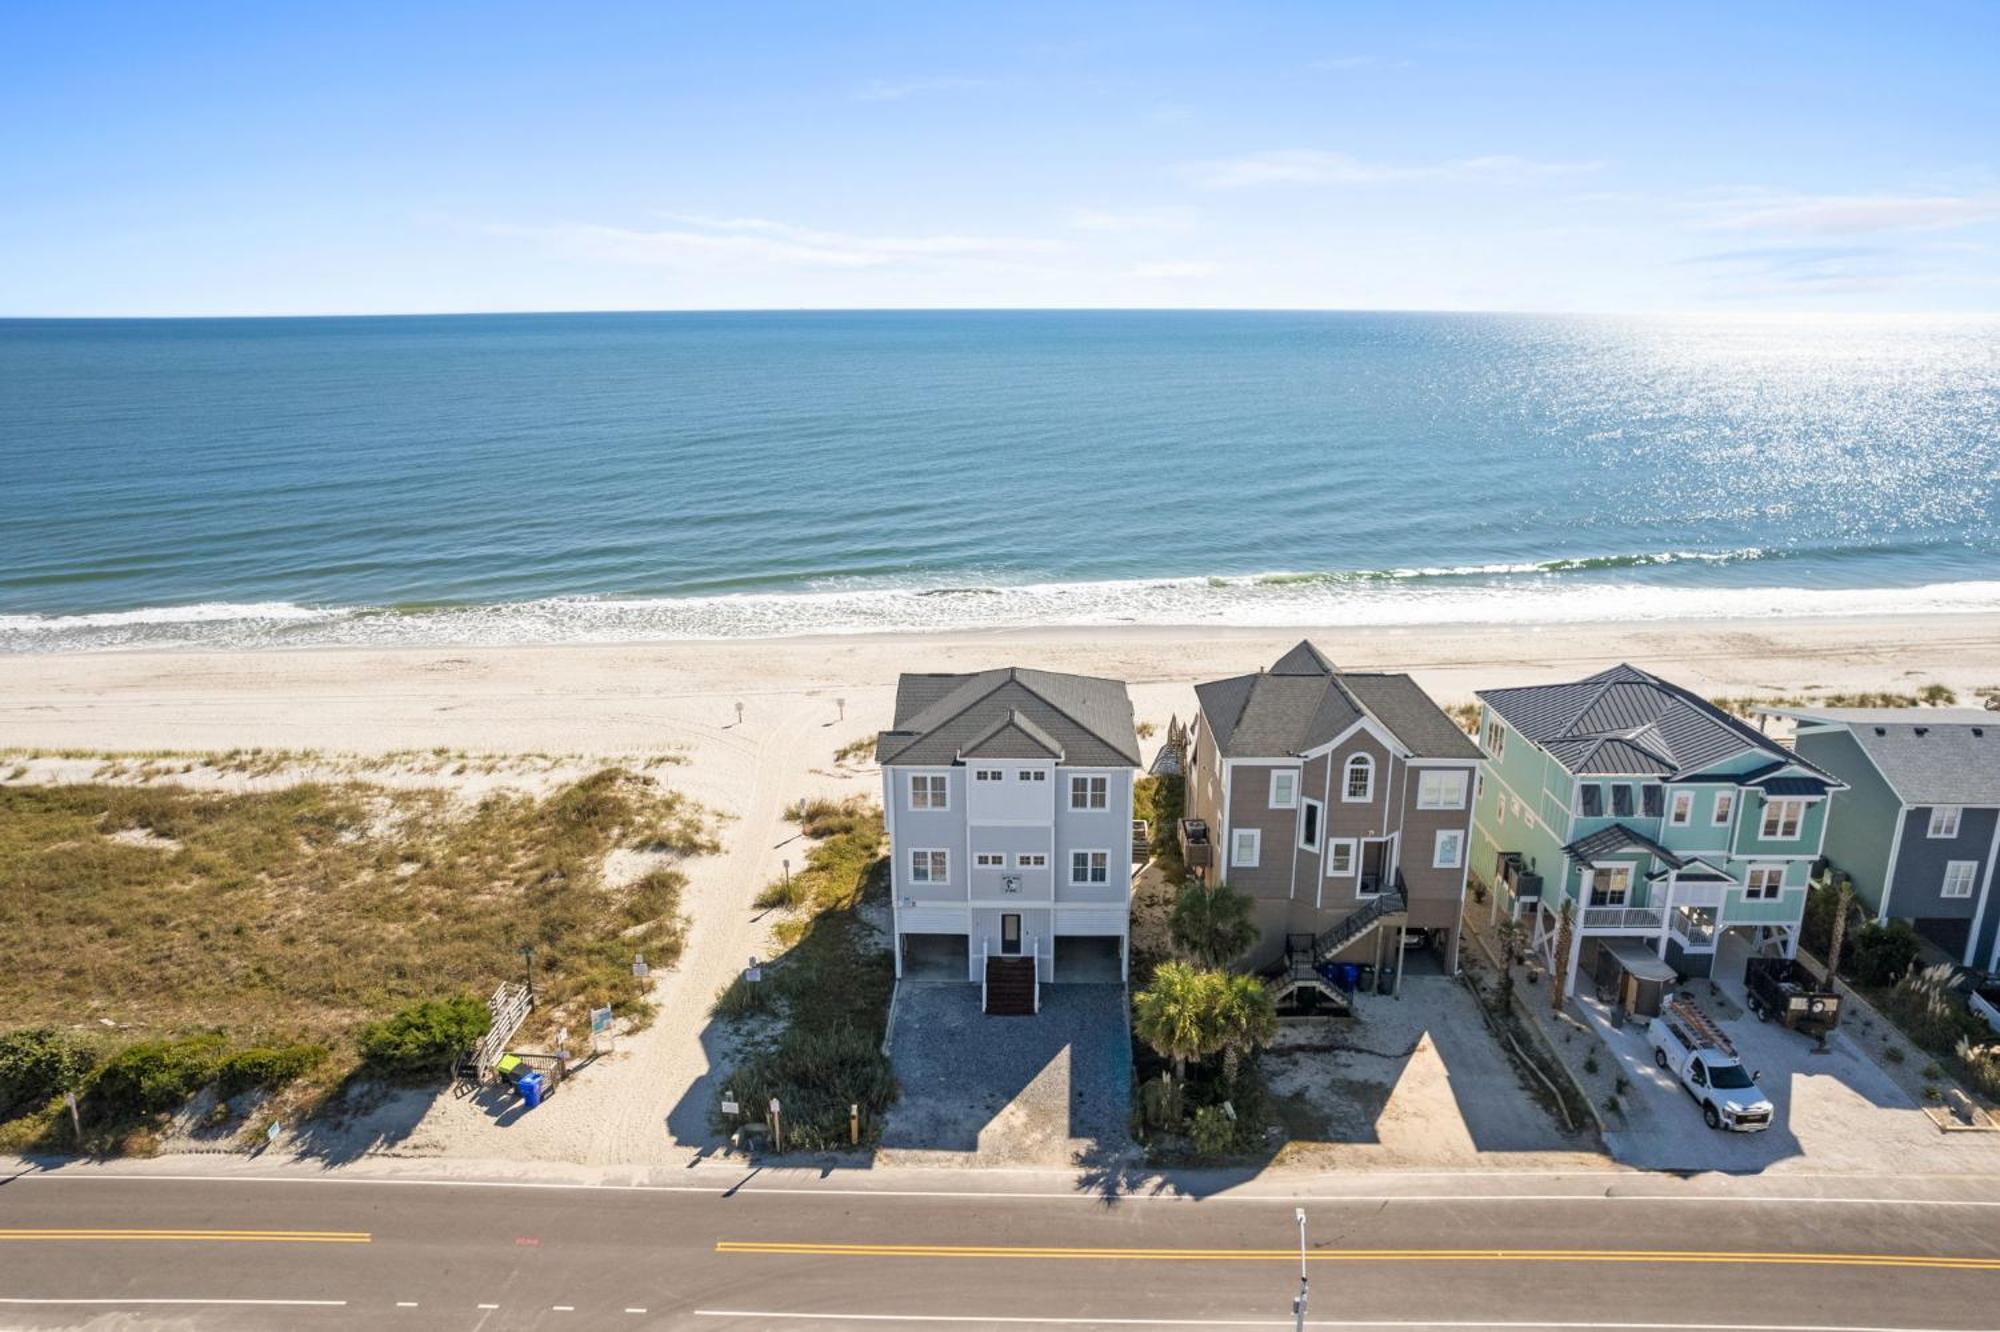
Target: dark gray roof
1624	721
1079	720
1929	756
1305	700
1618	837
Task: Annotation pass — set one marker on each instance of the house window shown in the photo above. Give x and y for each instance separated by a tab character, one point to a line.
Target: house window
990	860
1340	857
1309	825
1360	781
1621	801
1496	739
1725	807
1284	789
1958	878
1244	845
1782	819
1650	796
1089	792
1440	788
927	792
1683	809
930	867
1590	799
1450	850
1032	775
1944	821
1610	885
989	775
1764	883
1089	867
1031	860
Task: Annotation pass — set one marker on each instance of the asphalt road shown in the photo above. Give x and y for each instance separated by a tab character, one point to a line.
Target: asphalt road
938	1250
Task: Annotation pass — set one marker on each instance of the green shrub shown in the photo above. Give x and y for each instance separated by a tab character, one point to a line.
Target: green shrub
37	1065
1214	1132
815	1076
743	998
1881	954
266	1067
425	1037
151	1077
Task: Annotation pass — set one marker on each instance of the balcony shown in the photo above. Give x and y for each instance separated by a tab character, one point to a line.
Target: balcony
1624	919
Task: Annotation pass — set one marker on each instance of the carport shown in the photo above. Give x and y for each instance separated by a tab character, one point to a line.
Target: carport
937	957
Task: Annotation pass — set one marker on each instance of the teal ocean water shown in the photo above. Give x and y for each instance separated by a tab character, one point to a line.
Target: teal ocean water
538	478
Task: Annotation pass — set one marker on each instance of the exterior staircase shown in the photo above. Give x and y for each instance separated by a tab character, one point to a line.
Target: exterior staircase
1330	944
1010	986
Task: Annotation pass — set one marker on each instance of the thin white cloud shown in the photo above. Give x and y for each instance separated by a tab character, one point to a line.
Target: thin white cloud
1855	214
1182	268
1306	166
1132	220
762	242
896	90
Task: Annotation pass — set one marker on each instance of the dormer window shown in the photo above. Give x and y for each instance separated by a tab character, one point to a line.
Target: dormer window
1358	783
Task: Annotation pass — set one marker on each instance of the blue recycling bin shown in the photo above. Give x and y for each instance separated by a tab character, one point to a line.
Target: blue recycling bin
1350	976
530	1086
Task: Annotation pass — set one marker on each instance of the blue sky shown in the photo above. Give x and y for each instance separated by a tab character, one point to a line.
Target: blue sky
354	158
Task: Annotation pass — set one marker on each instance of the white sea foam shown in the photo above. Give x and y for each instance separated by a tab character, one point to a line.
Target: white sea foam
1258	600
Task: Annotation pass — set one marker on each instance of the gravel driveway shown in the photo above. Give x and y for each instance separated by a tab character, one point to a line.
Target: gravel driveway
1053	1089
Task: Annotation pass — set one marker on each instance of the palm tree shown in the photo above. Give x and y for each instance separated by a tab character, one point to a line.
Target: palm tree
1247	1017
1178	1015
1211	923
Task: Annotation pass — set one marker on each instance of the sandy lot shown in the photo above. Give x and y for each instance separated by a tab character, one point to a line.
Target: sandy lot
649	1103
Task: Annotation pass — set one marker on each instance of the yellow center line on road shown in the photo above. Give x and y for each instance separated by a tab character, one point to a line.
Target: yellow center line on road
1687	1256
85	1234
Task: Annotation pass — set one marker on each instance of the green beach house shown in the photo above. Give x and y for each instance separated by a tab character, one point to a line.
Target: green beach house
1673	832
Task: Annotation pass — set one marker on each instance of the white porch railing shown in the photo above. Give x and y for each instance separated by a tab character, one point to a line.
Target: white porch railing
984	950
1035	951
1623	918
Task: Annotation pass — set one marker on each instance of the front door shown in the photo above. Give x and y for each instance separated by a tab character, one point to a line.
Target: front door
1010	934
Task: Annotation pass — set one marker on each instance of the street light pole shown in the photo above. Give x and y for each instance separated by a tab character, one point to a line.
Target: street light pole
1299	1304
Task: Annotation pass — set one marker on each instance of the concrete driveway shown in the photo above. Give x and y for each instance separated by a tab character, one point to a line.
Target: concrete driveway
1837	1111
1052	1089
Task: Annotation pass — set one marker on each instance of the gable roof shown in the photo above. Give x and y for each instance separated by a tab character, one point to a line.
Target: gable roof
1626	721
1616	838
1014	712
1929	756
1304	701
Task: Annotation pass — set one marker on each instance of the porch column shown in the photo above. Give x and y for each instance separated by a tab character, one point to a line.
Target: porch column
1666	916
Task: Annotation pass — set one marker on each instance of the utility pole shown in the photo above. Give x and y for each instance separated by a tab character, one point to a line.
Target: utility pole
1299	1304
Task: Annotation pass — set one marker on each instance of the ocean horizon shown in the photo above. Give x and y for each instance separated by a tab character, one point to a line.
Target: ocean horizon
501	479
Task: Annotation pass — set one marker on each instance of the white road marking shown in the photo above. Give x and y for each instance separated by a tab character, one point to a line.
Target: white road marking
635	1311
562	1308
282	1304
488	1306
1472	1324
406	1304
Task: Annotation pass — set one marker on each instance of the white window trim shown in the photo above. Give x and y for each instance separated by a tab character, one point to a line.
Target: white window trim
1291	778
1334	846
928	777
1773	811
1725	809
1582	811
1680	809
1631	800
988	775
1031	860
1085	781
1950	831
1319	824
1237	860
1750	895
1951	867
1496	739
1032	775
927	852
1457	793
989	860
1367	763
1590	888
1088	867
1456	838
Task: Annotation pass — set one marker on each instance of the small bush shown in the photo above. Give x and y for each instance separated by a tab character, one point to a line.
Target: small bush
266	1068
1893	1053
151	1077
1881	954
1933	1071
36	1066
425	1037
1214	1132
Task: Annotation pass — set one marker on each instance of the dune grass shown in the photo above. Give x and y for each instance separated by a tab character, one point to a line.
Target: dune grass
304	913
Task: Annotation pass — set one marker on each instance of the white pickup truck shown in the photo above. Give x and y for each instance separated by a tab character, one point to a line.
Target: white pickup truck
1687	1043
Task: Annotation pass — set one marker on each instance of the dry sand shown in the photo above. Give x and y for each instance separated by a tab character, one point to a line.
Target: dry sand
649	1103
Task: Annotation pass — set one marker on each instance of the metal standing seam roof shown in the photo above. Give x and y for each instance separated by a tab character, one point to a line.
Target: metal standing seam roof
1929	756
1616	838
1015	712
1304	701
1624	721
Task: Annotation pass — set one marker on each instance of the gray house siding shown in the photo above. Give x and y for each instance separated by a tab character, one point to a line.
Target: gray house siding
1861	831
1917	895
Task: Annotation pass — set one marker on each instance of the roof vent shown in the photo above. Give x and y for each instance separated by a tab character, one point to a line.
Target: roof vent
1979	730
1921	730
1881	730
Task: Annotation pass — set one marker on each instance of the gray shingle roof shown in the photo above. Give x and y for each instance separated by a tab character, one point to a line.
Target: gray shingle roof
1618	837
1929	756
1011	713
1304	701
1625	721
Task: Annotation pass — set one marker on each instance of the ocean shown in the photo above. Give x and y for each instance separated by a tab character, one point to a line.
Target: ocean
560	478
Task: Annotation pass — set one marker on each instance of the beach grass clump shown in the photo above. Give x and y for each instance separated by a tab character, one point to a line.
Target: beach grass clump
825	999
254	936
857	750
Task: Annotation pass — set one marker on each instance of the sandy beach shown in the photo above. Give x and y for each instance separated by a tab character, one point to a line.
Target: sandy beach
649	1104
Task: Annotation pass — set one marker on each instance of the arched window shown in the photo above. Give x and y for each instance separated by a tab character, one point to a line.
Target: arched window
1360	781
